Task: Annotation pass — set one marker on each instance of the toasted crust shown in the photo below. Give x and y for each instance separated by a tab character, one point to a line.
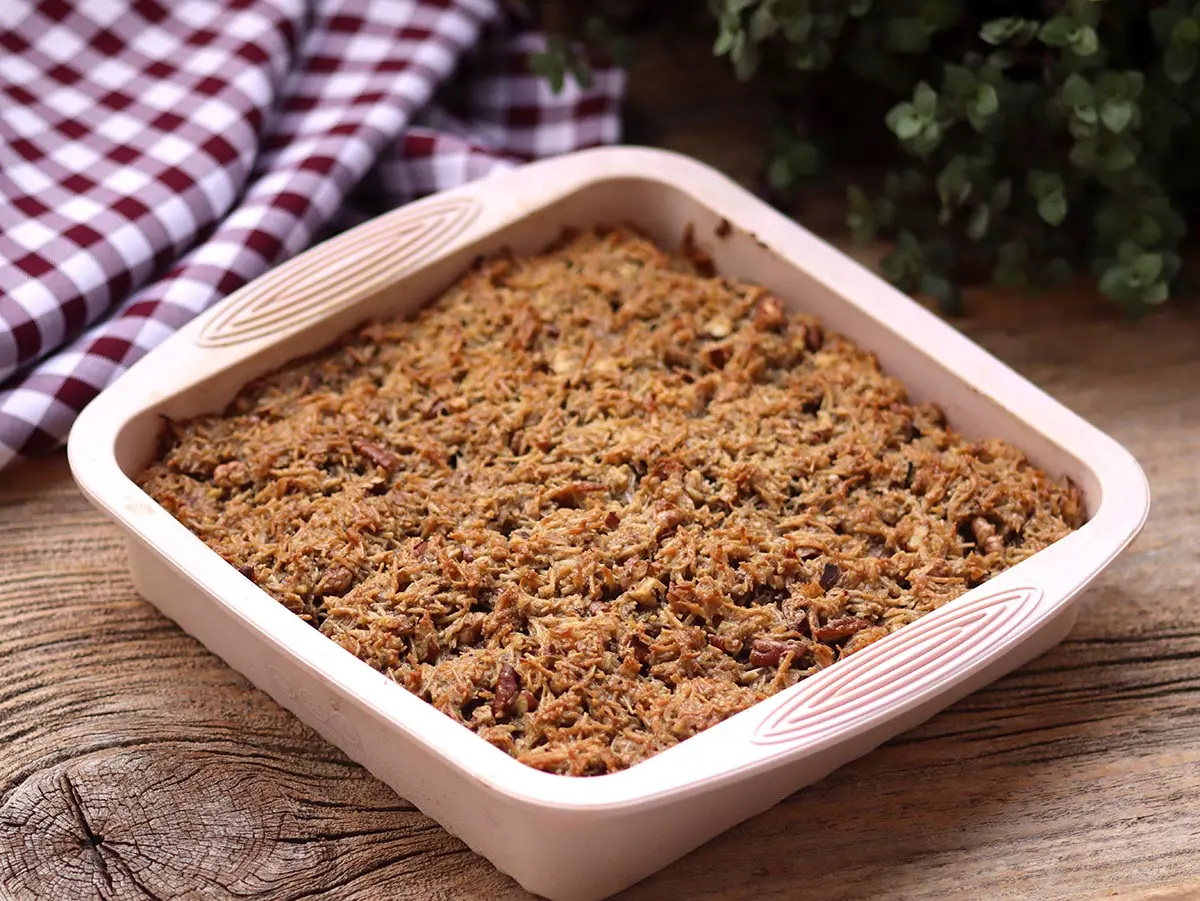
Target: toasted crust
592	502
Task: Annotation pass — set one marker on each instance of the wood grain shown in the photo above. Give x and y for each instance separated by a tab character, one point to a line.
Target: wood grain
135	765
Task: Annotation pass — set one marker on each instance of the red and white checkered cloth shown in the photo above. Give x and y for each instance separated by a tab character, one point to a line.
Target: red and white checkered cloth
155	155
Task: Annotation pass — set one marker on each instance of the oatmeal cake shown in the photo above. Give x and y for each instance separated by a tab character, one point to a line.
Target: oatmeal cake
592	502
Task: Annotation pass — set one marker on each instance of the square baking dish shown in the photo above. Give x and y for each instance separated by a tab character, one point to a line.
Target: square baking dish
583	838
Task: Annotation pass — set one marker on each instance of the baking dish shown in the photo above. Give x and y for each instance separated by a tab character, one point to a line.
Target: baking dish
566	838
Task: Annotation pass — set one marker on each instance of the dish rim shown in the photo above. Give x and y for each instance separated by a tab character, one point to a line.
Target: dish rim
687	766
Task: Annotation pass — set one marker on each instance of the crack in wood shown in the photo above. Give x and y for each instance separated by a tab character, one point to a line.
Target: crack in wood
91	842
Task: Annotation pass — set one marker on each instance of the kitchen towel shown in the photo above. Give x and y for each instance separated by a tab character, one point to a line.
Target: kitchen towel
155	155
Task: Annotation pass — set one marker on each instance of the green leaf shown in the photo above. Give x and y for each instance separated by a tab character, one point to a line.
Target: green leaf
859	8
940	15
550	66
942	290
1010	29
1057	32
861	216
987	101
1084	41
1119	158
1114	284
803	157
1056	272
908	35
1116	115
905	263
1076	91
779	174
1085	155
1146	269
1146	231
1113	85
1186	32
1001	59
925	100
954	183
1053	208
1179	63
1156	294
958	81
1042	184
726	38
809	57
885	212
745	58
764	23
903	121
983	107
927	140
1162	23
1012	264
799	28
1127	253
977	224
580	70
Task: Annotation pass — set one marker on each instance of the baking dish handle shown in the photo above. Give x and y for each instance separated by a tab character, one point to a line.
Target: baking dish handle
340	272
932	661
363	261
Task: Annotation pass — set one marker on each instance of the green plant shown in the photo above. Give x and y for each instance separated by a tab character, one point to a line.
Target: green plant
1017	142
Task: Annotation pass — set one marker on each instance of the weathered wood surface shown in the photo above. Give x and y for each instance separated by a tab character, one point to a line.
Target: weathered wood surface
135	765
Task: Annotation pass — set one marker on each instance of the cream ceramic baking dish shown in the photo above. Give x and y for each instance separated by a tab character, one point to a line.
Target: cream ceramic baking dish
578	839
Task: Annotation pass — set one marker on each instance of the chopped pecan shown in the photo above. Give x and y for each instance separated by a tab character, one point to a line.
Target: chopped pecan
770	651
382	458
573	494
726	643
829	576
842	627
335	582
769	315
507	686
234	474
716	356
470	631
814	337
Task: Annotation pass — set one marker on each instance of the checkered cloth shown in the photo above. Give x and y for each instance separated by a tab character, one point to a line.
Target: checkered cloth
155	155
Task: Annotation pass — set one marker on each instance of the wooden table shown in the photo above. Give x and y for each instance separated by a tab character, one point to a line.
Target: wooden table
135	765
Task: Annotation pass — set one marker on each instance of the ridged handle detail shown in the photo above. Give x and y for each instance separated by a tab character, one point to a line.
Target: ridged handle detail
338	272
906	664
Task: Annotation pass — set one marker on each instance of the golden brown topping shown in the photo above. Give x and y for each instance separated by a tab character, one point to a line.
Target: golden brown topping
600	499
